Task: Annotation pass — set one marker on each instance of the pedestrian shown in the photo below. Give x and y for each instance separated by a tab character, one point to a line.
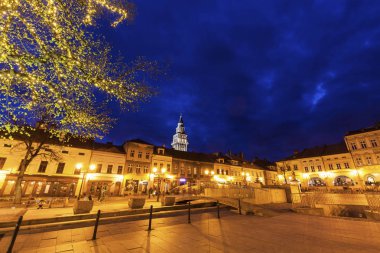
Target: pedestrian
89	197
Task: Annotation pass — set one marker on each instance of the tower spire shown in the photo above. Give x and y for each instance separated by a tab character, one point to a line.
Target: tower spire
180	137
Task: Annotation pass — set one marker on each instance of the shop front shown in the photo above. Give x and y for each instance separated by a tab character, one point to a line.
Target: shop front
41	186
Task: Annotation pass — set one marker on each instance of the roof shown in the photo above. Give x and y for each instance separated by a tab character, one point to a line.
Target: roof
332	149
364	130
108	147
264	163
140	141
186	155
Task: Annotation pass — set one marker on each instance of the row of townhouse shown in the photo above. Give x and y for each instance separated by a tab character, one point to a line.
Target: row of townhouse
134	167
354	162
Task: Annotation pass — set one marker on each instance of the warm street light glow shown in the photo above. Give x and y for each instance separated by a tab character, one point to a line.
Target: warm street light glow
163	170
206	172
154	169
242	174
212	172
79	166
92	167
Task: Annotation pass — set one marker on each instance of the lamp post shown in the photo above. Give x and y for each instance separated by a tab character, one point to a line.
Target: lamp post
79	166
163	171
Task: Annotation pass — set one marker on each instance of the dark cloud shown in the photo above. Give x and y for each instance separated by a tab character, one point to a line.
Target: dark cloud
262	77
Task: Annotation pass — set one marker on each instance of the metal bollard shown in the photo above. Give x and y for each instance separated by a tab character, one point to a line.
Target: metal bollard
217	204
150	218
239	207
17	228
188	213
96	225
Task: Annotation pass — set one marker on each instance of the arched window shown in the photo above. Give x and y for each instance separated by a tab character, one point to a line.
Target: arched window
370	180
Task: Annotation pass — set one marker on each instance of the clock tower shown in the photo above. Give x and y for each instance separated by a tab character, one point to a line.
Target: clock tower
180	138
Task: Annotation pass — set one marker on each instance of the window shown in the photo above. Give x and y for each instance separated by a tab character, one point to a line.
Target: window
217	171
119	169
312	168
369	160
338	166
129	168
331	166
7	145
138	168
347	165
222	172
99	168
295	167
145	169
65	152
161	165
358	161
189	171
76	171
288	168
139	155
374	143
132	154
363	144
155	165
2	162
43	166
60	168
306	169
81	154
109	169
226	172
147	155
353	146
168	167
319	168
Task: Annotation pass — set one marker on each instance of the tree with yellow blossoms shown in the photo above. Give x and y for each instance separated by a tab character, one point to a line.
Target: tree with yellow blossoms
58	74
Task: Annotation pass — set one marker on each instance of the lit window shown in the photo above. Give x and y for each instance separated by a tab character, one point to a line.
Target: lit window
312	168
347	165
139	155
138	168
331	166
129	168
338	166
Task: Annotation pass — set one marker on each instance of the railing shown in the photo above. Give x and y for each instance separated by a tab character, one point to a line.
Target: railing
99	217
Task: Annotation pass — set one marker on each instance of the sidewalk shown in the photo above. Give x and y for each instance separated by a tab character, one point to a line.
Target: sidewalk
206	234
12	214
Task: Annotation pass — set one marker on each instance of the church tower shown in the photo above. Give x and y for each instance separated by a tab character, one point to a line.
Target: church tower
180	138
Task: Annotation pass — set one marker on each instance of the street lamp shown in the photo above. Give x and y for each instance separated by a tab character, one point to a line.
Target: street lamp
163	171
79	167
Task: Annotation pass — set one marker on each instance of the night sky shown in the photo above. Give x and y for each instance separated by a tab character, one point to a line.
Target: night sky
261	77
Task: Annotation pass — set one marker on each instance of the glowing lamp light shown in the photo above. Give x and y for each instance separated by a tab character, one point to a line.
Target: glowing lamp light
305	175
90	176
212	172
170	176
154	169
182	180
242	174
261	179
281	177
78	166
354	172
163	170
323	174
119	178
249	178
206	172
92	167
151	176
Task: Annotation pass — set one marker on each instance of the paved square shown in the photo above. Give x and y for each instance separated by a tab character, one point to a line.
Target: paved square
233	233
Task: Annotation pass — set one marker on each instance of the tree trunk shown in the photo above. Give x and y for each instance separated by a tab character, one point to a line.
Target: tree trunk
18	188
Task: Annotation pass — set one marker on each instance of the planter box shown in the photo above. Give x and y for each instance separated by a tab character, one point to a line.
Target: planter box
168	201
136	202
83	206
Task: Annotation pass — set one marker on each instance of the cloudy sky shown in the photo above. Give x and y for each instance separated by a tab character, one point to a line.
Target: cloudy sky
261	77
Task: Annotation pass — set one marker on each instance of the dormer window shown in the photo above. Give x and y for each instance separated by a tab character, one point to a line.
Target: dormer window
221	160
161	151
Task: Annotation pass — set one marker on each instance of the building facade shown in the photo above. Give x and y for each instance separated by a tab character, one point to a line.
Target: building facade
354	162
134	167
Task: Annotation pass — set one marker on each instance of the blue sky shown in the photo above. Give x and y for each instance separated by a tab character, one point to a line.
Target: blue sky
259	77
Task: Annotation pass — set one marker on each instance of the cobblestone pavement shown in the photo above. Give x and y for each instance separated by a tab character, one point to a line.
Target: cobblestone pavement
232	233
